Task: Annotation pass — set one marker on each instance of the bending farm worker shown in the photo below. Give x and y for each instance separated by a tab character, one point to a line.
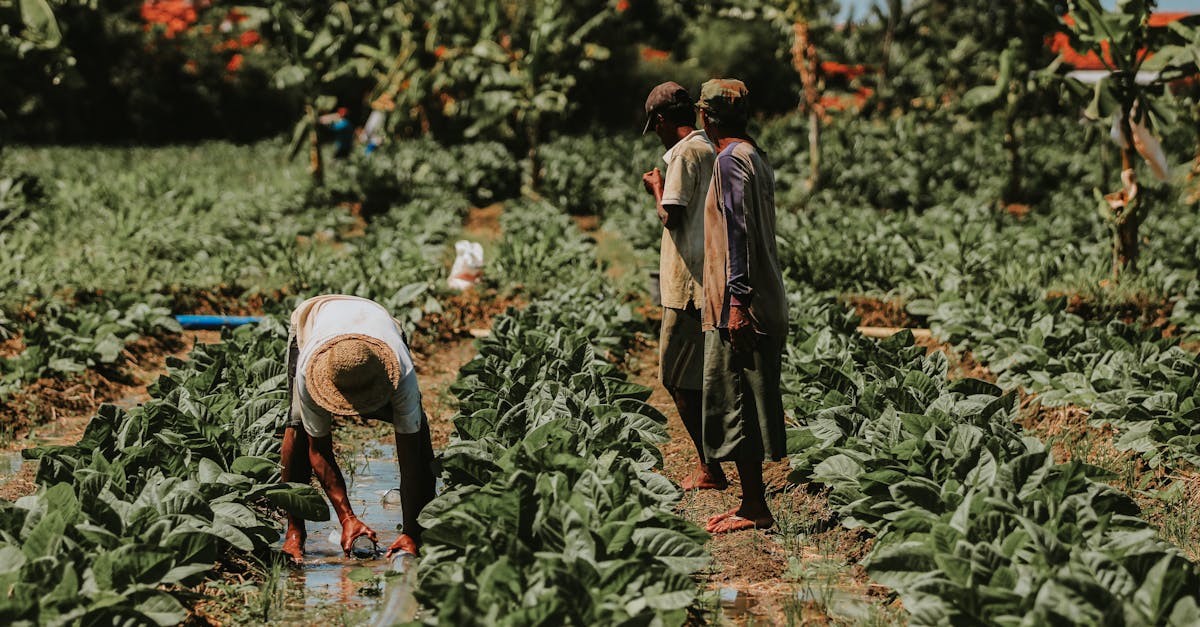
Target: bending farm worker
347	356
679	197
745	318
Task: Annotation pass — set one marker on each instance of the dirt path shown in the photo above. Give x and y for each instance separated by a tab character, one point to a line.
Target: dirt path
802	572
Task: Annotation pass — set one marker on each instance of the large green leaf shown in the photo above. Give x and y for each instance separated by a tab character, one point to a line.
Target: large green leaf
300	500
40	26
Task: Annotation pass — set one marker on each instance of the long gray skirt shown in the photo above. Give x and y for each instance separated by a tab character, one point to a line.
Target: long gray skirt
743	406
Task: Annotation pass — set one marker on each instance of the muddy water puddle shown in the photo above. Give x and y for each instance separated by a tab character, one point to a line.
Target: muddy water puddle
10	463
325	576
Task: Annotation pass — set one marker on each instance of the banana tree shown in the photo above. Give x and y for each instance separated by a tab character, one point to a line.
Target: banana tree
28	33
1022	67
322	44
510	66
1132	91
1185	52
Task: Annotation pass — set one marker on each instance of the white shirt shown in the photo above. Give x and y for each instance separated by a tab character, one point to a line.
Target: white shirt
321	318
685	184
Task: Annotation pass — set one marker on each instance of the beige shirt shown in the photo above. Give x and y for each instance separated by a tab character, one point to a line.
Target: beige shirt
741	258
685	183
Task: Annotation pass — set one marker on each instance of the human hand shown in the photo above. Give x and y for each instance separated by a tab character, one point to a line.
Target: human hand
403	544
352	528
741	330
652	181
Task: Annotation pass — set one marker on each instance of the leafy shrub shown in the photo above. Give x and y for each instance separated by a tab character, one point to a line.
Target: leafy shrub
150	499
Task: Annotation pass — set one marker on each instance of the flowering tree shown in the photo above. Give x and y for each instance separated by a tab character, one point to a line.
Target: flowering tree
321	44
506	69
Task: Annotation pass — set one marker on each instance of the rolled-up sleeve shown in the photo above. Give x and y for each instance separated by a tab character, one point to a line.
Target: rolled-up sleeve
680	179
733	175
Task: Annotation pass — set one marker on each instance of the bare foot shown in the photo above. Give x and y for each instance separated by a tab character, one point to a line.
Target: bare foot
293	546
731	523
712	520
702	478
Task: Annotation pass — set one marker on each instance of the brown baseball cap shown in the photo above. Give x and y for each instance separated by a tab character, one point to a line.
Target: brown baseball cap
668	95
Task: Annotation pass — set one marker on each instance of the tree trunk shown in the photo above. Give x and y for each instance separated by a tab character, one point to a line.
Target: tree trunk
1194	175
814	150
808	64
316	165
1012	147
535	166
1127	218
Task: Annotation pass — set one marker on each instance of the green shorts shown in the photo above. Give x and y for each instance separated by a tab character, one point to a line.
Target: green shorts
681	349
743	406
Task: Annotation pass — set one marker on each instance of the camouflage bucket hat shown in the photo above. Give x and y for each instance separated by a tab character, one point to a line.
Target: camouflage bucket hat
725	100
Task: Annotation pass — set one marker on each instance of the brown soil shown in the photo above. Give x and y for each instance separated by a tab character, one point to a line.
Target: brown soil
1143	310
436	371
54	411
469	310
587	224
1070	438
767	565
12	347
881	313
1017	210
962	366
483	221
224	300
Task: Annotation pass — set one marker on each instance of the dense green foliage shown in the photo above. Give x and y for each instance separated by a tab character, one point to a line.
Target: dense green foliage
234	228
961	501
975	521
155	495
553	513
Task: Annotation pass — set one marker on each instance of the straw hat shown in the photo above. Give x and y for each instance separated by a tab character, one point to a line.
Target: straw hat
352	374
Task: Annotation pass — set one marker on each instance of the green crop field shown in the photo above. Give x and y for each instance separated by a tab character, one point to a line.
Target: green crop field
991	378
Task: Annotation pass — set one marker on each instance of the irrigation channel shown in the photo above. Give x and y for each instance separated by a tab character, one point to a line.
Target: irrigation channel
327	576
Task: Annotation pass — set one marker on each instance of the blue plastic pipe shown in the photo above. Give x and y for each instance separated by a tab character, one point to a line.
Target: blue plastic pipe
215	322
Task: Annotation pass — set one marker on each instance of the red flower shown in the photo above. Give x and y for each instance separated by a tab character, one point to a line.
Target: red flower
235	62
622	6
652	54
175	15
249	38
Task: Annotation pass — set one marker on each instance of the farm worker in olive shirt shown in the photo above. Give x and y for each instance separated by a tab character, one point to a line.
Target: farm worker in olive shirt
744	316
347	356
679	196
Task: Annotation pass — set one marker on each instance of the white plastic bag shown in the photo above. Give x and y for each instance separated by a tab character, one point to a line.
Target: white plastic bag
468	265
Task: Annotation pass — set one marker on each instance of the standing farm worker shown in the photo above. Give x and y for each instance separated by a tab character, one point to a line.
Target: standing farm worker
679	196
347	357
744	316
343	131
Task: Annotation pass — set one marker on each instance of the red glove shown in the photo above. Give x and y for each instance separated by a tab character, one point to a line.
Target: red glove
351	529
403	544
